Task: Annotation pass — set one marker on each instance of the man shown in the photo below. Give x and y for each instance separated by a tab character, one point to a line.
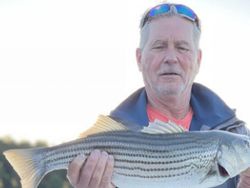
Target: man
169	59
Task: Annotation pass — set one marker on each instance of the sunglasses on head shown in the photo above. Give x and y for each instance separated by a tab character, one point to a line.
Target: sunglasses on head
181	10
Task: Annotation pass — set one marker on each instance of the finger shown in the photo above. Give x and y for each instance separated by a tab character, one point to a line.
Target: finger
88	169
74	169
107	175
99	169
246	173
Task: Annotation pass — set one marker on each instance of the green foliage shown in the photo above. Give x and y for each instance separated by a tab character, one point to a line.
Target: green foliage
9	178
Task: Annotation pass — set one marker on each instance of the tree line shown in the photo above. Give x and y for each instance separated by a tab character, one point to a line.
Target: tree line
9	178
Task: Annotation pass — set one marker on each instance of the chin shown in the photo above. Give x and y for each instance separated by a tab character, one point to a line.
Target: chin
171	91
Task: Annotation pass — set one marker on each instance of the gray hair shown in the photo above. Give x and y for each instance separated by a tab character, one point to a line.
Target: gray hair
144	29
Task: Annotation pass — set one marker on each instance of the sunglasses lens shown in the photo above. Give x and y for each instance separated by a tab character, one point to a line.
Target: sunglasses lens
161	9
185	11
166	8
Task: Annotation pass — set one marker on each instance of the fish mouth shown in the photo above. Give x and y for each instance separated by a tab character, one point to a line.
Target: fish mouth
217	172
222	171
226	168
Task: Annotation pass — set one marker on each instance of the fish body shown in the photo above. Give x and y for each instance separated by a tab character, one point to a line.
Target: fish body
148	158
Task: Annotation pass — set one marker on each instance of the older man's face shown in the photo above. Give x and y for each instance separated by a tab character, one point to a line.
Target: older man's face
169	60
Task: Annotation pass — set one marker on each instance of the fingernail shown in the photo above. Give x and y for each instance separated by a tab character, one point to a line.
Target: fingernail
104	153
96	151
111	158
81	157
95	154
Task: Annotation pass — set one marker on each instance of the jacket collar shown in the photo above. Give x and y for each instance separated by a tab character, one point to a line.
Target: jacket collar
133	109
209	110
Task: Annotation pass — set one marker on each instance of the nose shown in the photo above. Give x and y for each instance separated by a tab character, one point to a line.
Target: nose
170	56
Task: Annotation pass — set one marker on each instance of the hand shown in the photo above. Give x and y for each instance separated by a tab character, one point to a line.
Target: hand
244	179
95	173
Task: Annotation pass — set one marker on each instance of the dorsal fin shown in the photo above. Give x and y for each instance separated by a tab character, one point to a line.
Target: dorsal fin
160	127
103	124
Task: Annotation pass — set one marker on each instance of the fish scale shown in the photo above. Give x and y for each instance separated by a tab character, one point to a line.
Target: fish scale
146	158
134	158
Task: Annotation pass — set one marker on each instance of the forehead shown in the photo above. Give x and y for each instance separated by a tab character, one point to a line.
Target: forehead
171	28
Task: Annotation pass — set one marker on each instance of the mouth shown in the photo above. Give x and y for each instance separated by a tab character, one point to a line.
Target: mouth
219	171
216	171
169	74
222	171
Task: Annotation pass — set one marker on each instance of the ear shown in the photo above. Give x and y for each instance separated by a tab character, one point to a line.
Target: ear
199	57
138	58
198	60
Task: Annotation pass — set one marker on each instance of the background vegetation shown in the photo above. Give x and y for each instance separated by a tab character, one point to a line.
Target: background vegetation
9	178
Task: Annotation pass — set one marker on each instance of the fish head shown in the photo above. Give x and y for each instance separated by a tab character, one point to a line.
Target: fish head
233	155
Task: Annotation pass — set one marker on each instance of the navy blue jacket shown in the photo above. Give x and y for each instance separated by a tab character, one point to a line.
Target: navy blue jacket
209	112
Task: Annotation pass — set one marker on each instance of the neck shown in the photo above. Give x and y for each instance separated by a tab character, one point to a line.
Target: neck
171	106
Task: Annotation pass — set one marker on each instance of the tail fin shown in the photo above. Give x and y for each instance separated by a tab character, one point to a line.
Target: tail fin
29	165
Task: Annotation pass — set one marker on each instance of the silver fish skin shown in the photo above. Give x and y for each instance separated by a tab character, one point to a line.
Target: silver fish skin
144	159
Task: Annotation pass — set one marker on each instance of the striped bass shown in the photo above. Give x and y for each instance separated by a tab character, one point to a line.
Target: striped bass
160	155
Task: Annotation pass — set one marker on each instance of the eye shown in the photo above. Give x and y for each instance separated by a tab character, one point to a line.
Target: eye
159	47
182	49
